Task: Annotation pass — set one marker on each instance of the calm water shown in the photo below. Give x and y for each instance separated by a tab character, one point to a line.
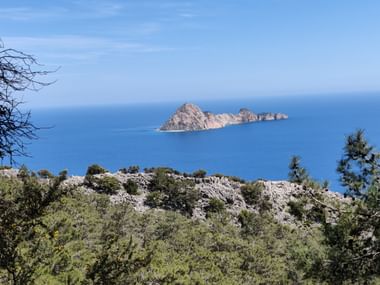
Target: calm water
120	136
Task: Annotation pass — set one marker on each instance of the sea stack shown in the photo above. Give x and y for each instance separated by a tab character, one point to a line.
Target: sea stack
189	117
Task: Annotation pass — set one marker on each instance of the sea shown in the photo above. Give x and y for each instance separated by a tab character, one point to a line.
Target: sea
123	135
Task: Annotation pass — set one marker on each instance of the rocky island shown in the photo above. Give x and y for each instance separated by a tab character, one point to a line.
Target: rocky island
190	117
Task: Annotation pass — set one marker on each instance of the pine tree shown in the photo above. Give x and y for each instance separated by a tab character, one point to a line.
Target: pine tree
297	173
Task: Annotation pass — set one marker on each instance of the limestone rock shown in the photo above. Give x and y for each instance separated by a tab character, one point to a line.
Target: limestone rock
190	117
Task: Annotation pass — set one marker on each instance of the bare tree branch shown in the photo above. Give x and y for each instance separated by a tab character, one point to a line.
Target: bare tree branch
18	72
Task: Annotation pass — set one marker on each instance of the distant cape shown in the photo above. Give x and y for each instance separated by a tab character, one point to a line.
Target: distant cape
189	117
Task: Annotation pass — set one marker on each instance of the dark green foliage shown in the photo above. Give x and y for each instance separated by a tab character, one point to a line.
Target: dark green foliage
316	214
199	173
103	184
95	169
84	239
131	187
154	199
251	223
297	174
352	251
106	184
215	206
116	264
131	169
43	173
252	192
236	179
353	242
359	166
63	174
296	208
167	170
172	194
23	204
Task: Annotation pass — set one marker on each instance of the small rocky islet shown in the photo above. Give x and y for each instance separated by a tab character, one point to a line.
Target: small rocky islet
190	117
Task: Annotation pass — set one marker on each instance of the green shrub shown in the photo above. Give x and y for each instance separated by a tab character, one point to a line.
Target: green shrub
264	204
167	170
131	187
130	170
297	174
23	172
107	184
252	192
215	206
175	194
43	173
154	199
95	169
316	214
63	174
296	208
236	179
251	223
199	173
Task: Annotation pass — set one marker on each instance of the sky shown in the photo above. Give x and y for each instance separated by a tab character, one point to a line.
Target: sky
120	51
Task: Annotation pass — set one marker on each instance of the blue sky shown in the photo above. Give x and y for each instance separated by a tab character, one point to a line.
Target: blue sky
114	51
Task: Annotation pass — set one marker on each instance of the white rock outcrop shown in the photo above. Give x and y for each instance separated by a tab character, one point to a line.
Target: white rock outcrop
190	117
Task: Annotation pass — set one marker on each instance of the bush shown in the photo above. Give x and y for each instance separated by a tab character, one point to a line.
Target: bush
236	179
251	223
63	174
131	187
252	192
154	199
107	184
199	173
95	169
316	214
130	170
297	174
174	194
296	208
215	206
167	170
43	173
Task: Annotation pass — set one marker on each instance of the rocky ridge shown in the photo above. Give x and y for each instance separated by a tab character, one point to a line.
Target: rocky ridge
279	194
190	117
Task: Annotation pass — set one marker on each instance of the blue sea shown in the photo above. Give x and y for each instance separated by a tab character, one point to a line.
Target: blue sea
119	136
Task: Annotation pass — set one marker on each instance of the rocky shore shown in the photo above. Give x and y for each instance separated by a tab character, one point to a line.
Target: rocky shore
190	117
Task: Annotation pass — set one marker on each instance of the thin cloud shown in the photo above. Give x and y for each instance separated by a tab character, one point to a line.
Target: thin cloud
27	14
79	47
78	10
187	15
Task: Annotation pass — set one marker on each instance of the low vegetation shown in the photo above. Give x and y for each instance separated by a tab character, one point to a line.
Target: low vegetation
131	187
172	194
95	169
51	233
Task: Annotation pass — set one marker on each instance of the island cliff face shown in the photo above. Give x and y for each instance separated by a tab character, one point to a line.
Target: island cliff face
190	117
